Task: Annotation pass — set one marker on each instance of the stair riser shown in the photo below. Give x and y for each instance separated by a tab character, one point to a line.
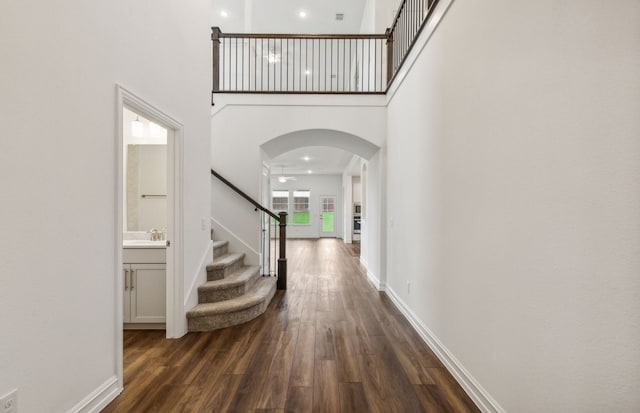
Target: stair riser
221	250
214	296
218	321
220	273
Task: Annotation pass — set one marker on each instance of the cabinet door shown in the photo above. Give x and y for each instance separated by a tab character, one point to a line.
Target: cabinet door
148	293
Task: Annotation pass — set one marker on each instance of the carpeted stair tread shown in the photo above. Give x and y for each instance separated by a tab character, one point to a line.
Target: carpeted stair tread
257	294
239	277
213	316
225	261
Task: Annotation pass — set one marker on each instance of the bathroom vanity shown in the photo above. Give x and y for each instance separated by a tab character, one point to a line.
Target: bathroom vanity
144	275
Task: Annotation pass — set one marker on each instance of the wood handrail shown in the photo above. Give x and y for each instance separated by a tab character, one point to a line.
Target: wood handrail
297	36
245	196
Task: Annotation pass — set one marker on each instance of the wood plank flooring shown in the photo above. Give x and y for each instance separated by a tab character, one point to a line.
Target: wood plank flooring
330	343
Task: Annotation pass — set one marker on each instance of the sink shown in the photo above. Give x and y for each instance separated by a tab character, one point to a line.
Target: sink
143	243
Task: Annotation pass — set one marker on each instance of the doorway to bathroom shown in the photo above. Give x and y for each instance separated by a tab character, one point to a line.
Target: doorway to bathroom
149	250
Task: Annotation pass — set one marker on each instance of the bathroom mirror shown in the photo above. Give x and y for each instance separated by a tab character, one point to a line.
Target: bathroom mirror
145	174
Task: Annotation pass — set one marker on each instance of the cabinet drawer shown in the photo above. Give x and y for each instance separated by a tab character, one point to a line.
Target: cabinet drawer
144	255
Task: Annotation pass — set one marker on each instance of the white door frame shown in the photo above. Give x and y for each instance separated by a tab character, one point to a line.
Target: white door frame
175	253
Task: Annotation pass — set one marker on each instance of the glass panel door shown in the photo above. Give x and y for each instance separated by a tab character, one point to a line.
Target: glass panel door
328	216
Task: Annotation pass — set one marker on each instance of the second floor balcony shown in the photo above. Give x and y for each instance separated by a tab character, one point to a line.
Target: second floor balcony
317	63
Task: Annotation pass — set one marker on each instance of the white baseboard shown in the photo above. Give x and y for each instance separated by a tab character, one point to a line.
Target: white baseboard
478	394
99	398
373	279
207	257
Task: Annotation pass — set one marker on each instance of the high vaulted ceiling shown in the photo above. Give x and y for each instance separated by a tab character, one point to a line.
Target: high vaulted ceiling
283	16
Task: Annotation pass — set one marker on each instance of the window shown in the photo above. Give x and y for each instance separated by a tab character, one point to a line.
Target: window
301	207
280	202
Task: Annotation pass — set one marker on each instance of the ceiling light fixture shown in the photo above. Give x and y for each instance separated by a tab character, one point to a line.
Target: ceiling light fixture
224	13
309	171
306	158
302	14
137	128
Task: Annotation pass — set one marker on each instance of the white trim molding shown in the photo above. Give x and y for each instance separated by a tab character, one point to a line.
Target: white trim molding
99	398
471	386
193	291
373	279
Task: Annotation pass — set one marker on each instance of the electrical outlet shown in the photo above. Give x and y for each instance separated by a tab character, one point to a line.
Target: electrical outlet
9	402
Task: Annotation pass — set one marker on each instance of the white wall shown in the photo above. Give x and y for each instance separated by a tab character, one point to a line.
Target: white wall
241	124
347	202
60	66
373	220
378	15
518	128
357	189
319	185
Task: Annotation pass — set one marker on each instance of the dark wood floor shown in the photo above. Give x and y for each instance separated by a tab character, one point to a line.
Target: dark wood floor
330	343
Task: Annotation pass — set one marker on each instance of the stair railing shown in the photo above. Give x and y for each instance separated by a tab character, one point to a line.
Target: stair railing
299	63
317	63
279	237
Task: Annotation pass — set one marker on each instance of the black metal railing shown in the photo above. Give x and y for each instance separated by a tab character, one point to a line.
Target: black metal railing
407	25
273	242
317	63
298	63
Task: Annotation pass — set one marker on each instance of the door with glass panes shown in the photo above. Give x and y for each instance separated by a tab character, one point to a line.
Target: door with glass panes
328	218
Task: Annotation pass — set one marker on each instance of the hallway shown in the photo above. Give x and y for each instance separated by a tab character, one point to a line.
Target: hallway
330	343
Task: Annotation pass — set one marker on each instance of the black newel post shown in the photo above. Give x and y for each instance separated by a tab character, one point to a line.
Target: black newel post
282	260
215	39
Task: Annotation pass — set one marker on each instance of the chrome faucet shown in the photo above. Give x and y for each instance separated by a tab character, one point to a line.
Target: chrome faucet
155	234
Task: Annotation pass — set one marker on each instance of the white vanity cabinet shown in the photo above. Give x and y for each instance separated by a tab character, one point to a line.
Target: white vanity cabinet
144	275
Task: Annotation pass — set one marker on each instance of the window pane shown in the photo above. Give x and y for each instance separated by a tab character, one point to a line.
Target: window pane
328	222
280	200
279	203
301	207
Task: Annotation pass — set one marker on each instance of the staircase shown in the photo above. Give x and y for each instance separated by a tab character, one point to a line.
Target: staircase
233	294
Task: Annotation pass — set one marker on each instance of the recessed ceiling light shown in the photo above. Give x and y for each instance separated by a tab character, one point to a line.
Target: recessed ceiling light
302	14
307	72
224	13
309	171
306	158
